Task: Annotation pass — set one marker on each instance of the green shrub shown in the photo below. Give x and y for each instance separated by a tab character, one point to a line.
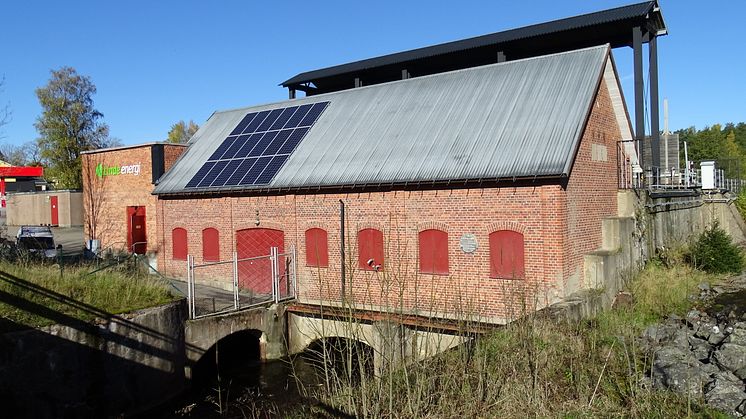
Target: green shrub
741	203
715	252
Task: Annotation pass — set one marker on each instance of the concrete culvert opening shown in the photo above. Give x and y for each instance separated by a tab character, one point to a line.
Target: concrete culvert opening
228	357
343	359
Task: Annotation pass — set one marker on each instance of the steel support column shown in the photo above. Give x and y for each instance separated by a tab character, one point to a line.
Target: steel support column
654	104
639	91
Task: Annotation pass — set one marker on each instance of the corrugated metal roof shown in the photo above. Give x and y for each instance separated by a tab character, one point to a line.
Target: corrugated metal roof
515	119
633	11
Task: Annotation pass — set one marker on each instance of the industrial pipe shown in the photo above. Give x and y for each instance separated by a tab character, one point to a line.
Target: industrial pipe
342	246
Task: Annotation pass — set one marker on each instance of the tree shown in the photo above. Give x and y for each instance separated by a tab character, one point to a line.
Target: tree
4	110
726	145
26	154
181	132
69	124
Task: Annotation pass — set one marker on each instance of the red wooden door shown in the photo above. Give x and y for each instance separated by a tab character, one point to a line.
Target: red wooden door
254	242
137	239
54	207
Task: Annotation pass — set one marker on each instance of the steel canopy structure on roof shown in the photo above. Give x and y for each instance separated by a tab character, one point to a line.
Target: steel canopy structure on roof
627	26
613	26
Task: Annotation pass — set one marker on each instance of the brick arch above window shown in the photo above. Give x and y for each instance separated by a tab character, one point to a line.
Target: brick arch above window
507	225
317	247
507	255
210	245
371	225
249	224
179	243
432	225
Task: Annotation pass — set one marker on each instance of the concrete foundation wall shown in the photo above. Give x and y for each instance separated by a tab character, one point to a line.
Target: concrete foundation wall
113	367
645	226
673	221
35	208
391	343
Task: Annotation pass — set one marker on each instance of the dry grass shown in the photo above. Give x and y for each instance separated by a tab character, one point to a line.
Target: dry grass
537	368
34	295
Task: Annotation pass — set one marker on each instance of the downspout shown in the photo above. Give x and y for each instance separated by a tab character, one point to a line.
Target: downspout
342	246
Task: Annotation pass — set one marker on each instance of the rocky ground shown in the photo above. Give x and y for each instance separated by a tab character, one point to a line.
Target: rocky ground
704	354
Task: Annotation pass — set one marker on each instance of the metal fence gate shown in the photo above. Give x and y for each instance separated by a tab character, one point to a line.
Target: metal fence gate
240	283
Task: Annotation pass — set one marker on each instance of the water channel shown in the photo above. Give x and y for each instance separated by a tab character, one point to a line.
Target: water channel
240	385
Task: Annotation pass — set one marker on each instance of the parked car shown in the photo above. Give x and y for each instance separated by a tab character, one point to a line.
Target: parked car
36	239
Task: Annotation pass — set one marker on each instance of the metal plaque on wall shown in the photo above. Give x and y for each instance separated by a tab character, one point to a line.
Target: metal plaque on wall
468	243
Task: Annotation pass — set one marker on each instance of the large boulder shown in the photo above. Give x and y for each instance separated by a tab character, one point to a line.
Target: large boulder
738	335
732	357
725	394
666	334
701	349
676	369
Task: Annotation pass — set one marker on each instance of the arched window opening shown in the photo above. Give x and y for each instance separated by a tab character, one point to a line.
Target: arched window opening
507	259
210	245
370	249
317	248
433	247
179	243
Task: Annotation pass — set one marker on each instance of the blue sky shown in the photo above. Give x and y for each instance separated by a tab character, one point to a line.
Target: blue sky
157	62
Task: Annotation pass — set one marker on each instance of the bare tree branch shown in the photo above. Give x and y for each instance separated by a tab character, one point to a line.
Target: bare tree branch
4	110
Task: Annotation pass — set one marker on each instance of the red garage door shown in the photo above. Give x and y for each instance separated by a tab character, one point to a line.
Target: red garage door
254	242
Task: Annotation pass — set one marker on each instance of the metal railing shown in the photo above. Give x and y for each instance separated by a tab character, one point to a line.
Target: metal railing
632	176
225	286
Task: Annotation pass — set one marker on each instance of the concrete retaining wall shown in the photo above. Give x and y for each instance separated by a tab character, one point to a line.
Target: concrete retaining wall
644	226
119	366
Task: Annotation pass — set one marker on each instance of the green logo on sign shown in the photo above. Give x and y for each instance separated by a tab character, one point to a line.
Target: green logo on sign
132	169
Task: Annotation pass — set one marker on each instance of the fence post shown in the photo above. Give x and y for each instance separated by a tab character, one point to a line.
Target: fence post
236	301
293	279
273	259
189	286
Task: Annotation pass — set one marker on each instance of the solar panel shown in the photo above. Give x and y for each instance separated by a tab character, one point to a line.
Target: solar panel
241	125
200	174
256	170
257	147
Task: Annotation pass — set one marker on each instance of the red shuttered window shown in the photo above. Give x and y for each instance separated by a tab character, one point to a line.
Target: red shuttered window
210	245
179	242
317	249
433	252
506	255
370	249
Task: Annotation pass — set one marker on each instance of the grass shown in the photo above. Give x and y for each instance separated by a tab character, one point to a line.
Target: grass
540	368
35	295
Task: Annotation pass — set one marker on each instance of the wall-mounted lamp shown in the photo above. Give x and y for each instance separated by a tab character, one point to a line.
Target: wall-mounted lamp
257	218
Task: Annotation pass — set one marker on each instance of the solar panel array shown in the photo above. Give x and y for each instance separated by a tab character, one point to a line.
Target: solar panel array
258	147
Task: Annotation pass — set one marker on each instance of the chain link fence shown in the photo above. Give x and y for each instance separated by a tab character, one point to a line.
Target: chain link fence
240	283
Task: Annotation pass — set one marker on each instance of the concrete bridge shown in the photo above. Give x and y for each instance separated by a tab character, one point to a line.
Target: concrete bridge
288	329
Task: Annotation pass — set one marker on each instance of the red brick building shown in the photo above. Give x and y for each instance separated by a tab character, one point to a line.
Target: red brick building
466	193
118	205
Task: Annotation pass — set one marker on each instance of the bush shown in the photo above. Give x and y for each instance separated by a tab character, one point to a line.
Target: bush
741	203
715	252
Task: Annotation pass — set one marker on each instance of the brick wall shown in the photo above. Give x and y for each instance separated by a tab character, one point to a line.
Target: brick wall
592	187
171	153
105	199
400	215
